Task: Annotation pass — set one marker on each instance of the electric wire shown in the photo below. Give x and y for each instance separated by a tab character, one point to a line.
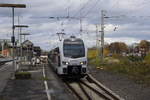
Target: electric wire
92	7
82	7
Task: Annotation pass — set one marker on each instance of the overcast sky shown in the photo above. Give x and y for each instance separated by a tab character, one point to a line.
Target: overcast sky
130	17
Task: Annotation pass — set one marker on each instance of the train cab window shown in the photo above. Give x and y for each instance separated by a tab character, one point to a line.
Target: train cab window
74	50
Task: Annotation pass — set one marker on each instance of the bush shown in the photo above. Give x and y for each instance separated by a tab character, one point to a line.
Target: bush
111	60
92	54
138	71
135	58
147	58
117	56
133	66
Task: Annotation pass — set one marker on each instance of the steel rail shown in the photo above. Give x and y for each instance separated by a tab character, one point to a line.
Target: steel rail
84	91
104	96
74	91
106	90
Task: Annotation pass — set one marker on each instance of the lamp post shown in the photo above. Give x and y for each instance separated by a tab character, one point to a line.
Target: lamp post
19	36
13	6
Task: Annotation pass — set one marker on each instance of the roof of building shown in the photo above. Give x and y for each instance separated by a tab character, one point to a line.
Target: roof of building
27	43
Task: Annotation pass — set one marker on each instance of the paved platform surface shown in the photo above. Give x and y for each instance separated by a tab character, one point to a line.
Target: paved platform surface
31	89
5	74
34	88
57	88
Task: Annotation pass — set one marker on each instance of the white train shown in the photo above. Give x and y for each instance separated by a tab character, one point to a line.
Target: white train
69	59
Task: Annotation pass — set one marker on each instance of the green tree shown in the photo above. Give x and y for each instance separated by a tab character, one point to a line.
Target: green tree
118	47
145	44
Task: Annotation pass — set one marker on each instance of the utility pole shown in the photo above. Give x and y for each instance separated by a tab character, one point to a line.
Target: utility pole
96	36
102	36
13	6
3	48
20	36
61	34
97	41
80	21
24	34
81	26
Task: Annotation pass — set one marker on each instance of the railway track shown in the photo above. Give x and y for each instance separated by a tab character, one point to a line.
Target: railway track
3	61
90	89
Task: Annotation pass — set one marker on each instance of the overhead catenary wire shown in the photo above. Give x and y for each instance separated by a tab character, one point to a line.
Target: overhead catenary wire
91	8
82	7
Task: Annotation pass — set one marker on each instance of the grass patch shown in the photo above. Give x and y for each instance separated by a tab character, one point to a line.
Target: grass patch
134	67
23	75
138	71
2	99
44	78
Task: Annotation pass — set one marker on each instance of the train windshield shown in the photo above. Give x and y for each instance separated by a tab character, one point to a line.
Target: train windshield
74	50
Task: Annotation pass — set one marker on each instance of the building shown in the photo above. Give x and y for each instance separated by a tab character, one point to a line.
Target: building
5	49
26	50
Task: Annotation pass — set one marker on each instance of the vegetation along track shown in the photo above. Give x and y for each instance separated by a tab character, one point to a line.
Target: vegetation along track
90	89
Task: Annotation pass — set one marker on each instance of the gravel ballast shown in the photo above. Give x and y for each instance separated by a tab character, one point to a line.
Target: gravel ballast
121	85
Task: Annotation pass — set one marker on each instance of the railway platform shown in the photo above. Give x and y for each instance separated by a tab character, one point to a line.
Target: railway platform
43	85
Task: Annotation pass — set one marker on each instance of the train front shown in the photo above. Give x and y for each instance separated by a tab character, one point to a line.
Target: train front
74	58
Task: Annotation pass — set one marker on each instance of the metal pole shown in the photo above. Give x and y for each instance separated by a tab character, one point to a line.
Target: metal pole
20	41
97	42
102	35
13	39
96	36
3	48
24	37
24	52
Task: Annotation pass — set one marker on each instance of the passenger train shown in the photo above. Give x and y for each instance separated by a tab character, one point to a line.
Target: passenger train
69	59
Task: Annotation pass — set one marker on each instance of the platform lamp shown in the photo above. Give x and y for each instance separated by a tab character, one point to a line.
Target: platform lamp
13	6
19	36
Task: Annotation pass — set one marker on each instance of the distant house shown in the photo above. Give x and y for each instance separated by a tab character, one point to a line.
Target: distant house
27	49
137	50
27	44
5	49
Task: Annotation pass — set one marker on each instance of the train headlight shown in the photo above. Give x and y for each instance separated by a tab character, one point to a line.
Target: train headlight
83	63
65	63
